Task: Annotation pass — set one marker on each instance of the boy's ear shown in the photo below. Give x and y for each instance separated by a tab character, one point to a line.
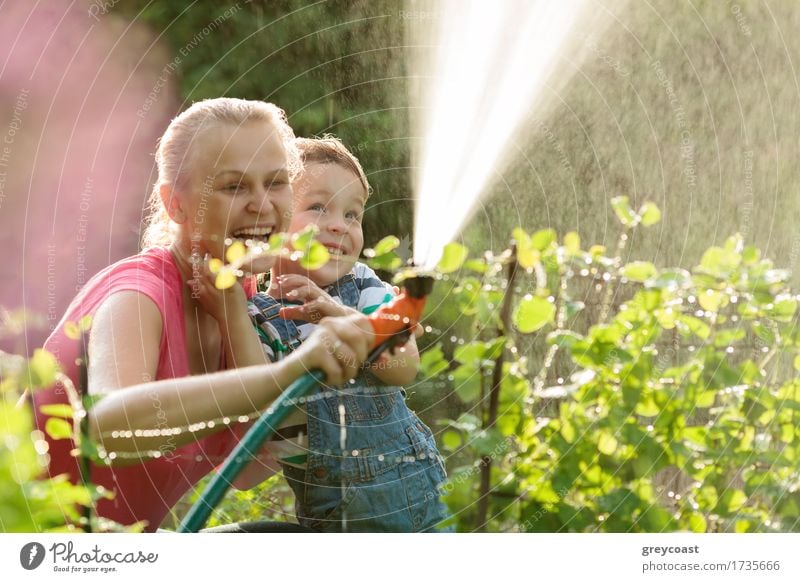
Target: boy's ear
172	203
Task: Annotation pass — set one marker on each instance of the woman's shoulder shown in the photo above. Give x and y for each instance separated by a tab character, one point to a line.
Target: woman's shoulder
152	272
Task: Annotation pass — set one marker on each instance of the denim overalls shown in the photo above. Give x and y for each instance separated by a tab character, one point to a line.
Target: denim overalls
381	470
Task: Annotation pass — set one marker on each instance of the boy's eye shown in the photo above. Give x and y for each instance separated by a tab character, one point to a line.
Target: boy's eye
353	215
317	207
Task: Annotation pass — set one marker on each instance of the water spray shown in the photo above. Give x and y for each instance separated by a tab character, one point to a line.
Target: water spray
392	327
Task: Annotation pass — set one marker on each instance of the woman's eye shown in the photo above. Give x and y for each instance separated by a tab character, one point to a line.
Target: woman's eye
276	184
233	188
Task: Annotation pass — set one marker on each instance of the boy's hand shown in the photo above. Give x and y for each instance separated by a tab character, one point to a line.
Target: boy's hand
316	302
221	304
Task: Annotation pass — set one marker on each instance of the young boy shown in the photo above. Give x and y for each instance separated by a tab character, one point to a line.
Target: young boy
356	457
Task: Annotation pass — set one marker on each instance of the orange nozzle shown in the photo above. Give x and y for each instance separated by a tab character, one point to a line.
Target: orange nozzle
403	312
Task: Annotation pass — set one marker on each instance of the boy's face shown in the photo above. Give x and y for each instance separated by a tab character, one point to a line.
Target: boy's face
332	198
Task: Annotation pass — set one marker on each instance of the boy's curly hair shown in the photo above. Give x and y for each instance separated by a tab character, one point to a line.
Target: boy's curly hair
329	149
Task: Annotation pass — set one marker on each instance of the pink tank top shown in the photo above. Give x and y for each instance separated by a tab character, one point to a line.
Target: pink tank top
145	491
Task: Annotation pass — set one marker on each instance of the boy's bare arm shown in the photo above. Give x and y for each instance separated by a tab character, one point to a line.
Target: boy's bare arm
400	368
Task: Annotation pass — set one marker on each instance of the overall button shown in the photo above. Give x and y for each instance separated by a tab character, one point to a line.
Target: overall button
320	472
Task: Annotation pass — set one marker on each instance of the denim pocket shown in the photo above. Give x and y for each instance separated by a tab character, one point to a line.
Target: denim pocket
361	406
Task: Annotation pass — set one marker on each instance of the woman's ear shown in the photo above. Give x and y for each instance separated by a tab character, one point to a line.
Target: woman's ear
172	203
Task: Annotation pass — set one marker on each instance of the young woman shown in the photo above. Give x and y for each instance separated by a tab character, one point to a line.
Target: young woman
162	352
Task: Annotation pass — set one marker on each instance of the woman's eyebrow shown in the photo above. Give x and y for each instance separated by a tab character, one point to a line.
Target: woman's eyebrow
223	172
270	173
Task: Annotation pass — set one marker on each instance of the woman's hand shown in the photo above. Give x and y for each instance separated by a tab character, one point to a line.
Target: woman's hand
228	307
316	302
338	347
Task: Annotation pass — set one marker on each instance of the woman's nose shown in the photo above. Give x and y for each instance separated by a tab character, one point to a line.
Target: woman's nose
260	200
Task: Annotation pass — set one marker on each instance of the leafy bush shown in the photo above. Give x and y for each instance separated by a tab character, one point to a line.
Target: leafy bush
666	399
663	400
28	503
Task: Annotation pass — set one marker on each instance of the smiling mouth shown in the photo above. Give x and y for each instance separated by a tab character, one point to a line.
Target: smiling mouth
259	234
335	251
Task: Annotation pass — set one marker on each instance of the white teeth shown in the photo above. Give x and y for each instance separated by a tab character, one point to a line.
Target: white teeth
334	250
261	231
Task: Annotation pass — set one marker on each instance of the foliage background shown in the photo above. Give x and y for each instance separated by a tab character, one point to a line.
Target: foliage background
692	105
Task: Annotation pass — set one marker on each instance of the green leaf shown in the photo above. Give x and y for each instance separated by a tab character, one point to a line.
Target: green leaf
235	252
453	256
451	440
533	313
572	242
476	266
783	308
467	380
564	338
302	240
541	239
567	430
527	254
277	241
432	362
387	262
623	210
315	256
650	214
732	500
750	255
695	326
488	442
386	245
719	262
85	323
42	369
61	410
639	271
58	428
472	352
606	443
697	523
711	300
225	279
672	279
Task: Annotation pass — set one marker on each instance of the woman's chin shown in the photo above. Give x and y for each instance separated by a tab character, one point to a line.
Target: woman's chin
258	265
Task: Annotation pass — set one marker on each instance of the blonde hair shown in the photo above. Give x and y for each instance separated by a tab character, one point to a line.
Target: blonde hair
174	150
329	149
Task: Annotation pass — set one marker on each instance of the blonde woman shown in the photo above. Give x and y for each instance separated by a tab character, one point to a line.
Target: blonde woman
163	350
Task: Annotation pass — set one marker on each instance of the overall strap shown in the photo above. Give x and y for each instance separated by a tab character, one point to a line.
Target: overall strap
346	289
279	334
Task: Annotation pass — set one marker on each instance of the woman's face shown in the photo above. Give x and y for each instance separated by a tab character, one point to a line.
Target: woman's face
240	190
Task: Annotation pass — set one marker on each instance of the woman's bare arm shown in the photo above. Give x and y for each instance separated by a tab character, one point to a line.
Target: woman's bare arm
123	358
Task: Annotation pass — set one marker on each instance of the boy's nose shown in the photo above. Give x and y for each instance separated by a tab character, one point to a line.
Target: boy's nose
336	223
